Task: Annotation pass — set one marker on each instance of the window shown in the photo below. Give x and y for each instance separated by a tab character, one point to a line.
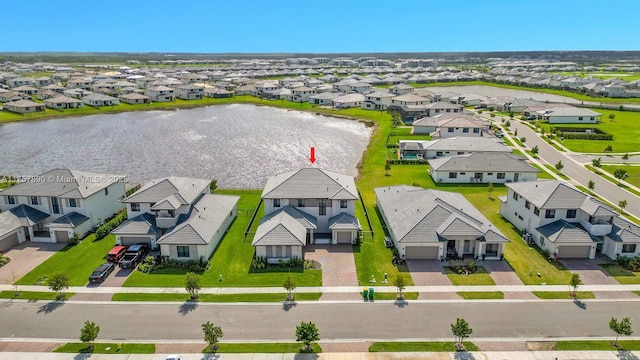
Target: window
629	248
550	214
34	200
183	251
571	213
450	130
322	207
453	175
501	176
73	203
580	118
460	152
536	211
11	200
300	202
135	206
172	213
492	249
343	204
541	240
438	153
489	173
55	207
465	130
515	196
476	130
276	203
106	191
527	204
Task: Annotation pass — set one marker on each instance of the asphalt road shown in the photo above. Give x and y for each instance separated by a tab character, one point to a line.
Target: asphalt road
578	172
120	321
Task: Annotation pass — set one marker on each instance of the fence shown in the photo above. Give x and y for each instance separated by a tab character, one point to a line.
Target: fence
253	217
366	213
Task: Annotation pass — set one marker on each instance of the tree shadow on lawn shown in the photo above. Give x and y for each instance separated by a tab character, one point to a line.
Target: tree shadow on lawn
50	307
188	306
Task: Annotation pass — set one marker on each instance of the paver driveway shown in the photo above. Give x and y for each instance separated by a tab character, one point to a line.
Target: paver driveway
501	272
589	271
338	265
24	258
427	273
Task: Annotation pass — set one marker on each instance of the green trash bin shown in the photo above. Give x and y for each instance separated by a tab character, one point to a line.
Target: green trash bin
365	293
371	294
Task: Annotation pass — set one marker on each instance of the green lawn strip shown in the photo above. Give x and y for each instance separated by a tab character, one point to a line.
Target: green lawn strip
77	262
32	295
480	277
107	348
554	170
262	348
269	297
563	294
481	295
394	296
633	173
232	258
636	292
395	139
622	275
543	174
597	345
419	346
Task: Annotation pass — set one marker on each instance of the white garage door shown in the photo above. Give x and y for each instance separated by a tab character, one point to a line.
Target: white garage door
9	242
62	236
344	237
578	252
131	240
421	252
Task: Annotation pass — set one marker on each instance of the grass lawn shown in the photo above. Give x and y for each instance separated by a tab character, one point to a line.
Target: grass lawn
480	295
480	277
275	297
232	258
419	346
543	174
107	348
393	296
395	139
563	294
622	275
624	129
553	169
77	262
633	172
597	345
32	295
262	348
636	292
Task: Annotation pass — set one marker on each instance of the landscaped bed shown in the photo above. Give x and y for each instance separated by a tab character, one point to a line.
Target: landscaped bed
549	295
622	275
468	275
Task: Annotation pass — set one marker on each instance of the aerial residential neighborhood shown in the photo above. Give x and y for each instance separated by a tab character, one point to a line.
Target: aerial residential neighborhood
275	180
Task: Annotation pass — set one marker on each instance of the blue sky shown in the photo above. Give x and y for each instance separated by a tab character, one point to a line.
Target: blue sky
319	26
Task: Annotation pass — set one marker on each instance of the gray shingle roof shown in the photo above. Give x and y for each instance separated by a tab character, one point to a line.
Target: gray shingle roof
71	219
417	215
9	223
481	162
561	231
63	183
306	220
280	229
310	183
205	220
158	190
144	224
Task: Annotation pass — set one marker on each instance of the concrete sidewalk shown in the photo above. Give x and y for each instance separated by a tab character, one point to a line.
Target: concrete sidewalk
488	355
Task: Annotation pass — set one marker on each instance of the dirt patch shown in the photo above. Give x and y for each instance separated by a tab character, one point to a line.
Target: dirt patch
541	345
345	347
91	297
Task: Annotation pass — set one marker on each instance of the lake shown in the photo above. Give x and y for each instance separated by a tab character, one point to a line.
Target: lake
239	145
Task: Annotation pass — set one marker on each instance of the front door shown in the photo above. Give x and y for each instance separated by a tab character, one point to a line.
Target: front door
467	247
516	176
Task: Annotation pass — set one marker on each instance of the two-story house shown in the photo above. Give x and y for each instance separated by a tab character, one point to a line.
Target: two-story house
189	92
432	224
54	206
377	100
306	206
301	94
179	215
567	222
160	93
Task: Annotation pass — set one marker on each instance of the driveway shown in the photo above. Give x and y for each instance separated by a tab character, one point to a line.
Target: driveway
24	258
337	262
589	271
427	273
501	272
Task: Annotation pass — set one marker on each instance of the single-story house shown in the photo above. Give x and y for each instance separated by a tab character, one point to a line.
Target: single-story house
100	100
23	106
134	98
63	102
481	168
458	145
348	101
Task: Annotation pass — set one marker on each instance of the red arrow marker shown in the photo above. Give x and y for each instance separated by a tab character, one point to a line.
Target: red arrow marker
312	157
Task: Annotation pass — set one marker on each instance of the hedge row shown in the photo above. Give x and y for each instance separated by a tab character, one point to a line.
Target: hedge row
107	227
585	136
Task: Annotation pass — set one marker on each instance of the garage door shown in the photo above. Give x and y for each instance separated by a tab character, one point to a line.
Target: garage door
421	252
130	240
568	252
62	236
8	242
344	237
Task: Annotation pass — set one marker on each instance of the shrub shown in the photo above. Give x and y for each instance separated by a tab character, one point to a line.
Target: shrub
630	263
407	162
107	227
74	240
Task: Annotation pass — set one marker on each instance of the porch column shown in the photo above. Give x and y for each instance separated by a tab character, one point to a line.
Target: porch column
480	249
311	239
31	233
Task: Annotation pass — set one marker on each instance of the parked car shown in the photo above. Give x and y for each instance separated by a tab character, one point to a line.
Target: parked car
133	256
532	117
116	253
101	272
174	357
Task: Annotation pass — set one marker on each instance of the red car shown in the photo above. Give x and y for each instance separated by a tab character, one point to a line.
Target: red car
116	253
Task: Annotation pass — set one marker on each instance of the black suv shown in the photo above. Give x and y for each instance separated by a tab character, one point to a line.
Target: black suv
101	272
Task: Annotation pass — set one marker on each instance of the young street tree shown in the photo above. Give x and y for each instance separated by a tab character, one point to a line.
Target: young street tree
612	116
596	163
461	330
387	167
212	334
534	151
401	285
620	174
307	332
290	286
591	185
213	185
59	283
622	204
622	327
625	157
559	166
490	189
609	148
192	284
574	281
89	333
